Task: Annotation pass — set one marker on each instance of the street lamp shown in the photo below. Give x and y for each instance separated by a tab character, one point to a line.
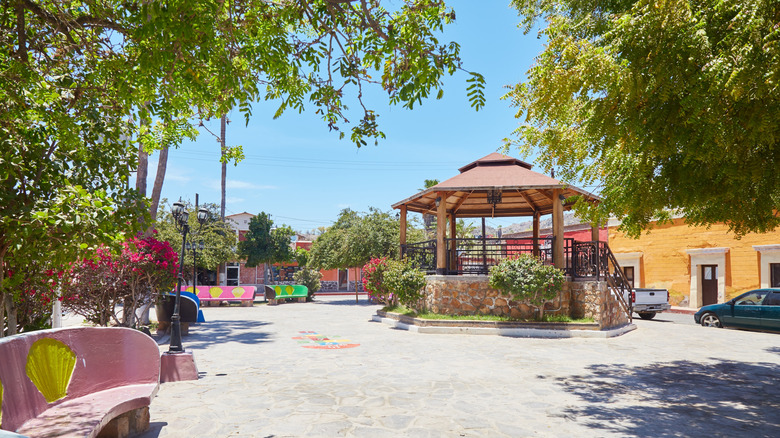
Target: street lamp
195	247
181	217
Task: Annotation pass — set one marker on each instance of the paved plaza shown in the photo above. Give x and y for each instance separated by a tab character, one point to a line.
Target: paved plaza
323	369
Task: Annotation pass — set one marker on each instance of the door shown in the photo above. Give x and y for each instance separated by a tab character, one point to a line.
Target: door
709	284
770	312
232	274
343	279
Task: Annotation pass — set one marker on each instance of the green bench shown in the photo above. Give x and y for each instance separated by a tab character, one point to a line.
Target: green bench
284	291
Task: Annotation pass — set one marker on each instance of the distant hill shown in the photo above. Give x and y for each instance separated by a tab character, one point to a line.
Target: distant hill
568	219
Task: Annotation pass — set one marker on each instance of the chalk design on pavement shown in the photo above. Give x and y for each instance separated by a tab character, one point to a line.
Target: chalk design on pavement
309	339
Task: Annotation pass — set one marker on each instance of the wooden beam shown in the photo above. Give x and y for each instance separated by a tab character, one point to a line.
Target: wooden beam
403	229
536	234
441	229
557	226
529	201
549	194
460	202
594	232
453	243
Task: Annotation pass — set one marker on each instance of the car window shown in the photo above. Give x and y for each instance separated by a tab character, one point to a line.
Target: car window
772	299
752	298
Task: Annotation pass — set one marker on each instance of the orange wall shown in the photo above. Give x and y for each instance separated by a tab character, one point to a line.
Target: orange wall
666	264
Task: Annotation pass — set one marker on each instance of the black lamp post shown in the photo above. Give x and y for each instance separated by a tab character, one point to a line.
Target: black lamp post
195	247
181	216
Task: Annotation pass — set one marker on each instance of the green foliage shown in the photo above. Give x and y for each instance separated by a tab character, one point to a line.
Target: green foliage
265	244
666	105
527	280
219	238
80	84
310	278
404	282
302	257
355	239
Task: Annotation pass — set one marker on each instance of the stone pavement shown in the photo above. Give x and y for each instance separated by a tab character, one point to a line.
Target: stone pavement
259	379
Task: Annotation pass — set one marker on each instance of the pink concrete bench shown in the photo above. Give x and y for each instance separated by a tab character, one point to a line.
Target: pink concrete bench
217	294
78	382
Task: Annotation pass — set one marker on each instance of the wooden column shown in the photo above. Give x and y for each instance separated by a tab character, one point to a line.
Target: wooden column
484	248
402	236
536	234
441	230
557	226
594	236
453	243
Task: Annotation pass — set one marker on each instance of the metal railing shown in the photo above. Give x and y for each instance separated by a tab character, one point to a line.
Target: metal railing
476	256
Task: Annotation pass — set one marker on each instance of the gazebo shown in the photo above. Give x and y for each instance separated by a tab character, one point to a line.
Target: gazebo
493	186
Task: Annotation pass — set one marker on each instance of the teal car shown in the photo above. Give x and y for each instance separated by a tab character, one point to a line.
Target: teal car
756	310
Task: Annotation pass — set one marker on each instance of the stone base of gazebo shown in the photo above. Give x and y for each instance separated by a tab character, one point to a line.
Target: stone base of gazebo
472	295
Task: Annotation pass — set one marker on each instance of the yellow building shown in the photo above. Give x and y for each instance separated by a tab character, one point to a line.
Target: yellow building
698	265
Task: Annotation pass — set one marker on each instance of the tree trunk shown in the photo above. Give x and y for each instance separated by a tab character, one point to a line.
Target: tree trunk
159	179
356	285
143	170
224	165
10	309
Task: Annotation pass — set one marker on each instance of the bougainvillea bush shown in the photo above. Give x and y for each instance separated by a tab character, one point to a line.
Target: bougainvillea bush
137	274
373	282
34	291
526	279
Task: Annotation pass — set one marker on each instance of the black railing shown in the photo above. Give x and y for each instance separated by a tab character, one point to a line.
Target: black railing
422	255
476	256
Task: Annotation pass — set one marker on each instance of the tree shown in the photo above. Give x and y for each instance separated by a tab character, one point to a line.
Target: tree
266	244
355	239
669	106
219	239
85	88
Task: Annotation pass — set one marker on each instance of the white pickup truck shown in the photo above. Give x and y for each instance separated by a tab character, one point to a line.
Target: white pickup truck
648	302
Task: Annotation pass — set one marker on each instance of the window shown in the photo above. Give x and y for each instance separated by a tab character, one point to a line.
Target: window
774	275
752	298
710	273
772	299
628	271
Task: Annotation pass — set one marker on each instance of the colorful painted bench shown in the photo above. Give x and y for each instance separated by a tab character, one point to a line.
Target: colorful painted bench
79	381
284	291
217	294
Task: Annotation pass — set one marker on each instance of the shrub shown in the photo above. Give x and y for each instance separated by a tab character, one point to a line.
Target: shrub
33	291
138	274
373	282
527	280
404	282
309	278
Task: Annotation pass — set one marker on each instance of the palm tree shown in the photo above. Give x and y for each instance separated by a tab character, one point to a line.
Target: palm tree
428	219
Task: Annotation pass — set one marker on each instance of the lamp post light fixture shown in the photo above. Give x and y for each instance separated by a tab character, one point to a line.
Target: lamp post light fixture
181	216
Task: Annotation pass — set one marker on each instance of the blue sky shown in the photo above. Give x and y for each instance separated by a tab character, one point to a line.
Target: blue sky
303	175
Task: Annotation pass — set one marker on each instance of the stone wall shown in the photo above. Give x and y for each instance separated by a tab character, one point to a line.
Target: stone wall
329	286
472	295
